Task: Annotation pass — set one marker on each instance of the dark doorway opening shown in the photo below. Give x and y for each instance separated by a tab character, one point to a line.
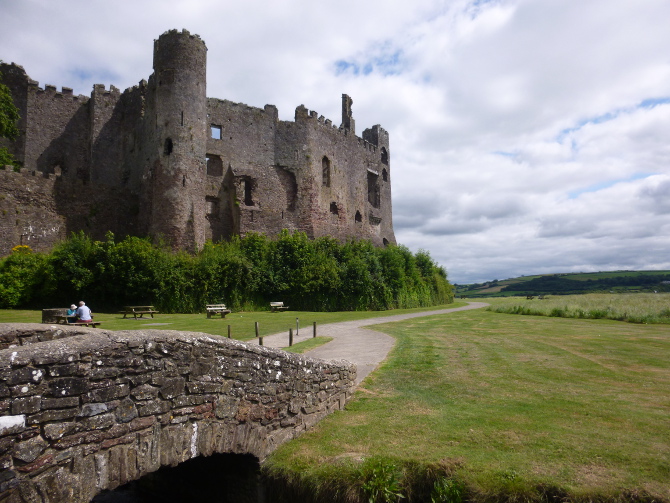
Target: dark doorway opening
221	478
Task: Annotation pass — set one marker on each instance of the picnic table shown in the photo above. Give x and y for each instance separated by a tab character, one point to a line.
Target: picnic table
141	310
277	306
63	320
217	309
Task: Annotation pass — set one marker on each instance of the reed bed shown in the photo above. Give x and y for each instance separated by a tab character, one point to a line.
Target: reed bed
632	308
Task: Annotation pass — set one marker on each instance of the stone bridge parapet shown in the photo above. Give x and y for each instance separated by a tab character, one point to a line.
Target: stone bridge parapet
91	409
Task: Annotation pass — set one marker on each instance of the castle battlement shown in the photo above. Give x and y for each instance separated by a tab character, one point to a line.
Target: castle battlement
157	159
50	90
9	172
303	113
100	89
183	33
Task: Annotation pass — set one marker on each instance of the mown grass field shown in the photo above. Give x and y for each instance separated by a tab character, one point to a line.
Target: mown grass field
506	408
634	308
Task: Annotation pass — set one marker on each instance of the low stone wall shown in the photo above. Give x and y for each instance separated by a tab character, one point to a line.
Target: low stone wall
91	412
21	334
50	315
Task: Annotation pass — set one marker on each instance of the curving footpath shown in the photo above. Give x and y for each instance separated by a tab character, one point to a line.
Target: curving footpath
366	348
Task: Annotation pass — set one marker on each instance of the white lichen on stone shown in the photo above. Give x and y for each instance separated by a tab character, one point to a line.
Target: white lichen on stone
194	441
11	424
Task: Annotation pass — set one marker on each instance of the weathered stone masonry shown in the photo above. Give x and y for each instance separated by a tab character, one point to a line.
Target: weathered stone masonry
162	159
85	410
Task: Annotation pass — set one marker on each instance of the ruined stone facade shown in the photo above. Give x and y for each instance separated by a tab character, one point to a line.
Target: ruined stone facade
162	159
84	410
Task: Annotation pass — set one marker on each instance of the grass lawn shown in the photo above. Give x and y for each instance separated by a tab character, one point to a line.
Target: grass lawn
242	323
632	307
309	344
512	407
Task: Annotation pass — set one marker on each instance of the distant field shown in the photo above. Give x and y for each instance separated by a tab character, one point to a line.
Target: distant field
480	406
628	281
612	274
633	308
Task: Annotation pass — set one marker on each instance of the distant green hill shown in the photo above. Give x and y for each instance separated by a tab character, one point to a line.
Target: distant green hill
571	283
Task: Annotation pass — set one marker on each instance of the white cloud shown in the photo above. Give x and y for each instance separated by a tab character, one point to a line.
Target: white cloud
526	136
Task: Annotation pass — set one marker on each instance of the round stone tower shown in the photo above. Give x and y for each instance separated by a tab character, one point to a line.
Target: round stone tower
177	171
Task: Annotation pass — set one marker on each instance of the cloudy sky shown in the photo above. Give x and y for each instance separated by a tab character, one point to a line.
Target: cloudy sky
527	136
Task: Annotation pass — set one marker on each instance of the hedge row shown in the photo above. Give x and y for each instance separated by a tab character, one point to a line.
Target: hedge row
245	273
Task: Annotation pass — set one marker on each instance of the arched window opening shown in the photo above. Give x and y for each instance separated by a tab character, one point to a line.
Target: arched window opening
358	218
386	242
385	156
167	148
325	165
333	208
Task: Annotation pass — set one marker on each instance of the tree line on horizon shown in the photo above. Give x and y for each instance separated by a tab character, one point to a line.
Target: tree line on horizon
558	285
245	273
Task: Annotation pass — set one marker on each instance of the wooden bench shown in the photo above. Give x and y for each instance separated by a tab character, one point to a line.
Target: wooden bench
63	320
141	310
217	309
277	306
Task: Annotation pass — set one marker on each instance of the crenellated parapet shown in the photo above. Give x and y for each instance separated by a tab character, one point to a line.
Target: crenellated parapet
51	91
303	114
8	173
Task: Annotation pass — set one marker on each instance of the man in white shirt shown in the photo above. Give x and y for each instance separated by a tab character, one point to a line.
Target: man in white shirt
83	313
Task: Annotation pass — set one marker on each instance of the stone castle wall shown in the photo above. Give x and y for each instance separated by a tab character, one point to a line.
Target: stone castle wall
39	210
162	159
83	410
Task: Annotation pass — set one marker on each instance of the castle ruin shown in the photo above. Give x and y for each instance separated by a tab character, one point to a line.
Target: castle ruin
161	159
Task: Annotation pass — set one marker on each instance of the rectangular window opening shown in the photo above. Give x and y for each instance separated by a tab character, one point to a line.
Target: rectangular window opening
216	132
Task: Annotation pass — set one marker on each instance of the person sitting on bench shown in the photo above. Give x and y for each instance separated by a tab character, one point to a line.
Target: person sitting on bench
72	314
84	313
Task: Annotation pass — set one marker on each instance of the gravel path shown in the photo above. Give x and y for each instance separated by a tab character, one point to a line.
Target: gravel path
351	341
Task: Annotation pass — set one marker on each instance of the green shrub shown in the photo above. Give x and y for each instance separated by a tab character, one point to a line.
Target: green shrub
381	481
248	272
447	491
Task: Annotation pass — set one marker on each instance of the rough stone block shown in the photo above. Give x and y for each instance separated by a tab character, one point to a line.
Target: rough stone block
30	450
28	405
68	386
60	403
110	393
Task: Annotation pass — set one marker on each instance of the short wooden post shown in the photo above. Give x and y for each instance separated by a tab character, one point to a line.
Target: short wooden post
256	325
297	327
229	331
314	332
290	337
260	341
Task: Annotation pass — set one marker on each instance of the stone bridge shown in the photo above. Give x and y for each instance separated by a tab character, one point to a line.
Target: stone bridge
84	410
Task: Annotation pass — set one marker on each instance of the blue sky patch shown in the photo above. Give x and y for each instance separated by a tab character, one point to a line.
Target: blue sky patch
385	63
100	76
607	184
647	104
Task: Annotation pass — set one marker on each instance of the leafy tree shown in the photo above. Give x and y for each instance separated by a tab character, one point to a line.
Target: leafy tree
9	116
21	275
